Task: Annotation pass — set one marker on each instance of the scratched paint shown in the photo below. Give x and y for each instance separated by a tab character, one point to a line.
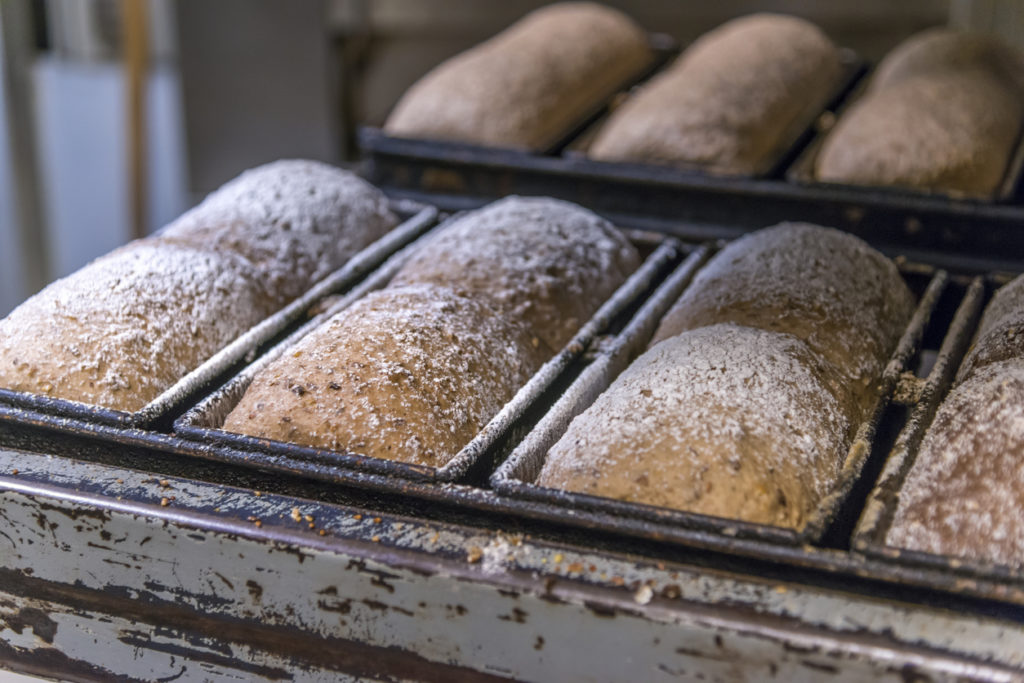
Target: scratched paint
198	578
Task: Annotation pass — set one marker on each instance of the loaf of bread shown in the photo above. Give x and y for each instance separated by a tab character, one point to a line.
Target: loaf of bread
547	263
828	288
731	101
1000	334
406	373
529	85
943	114
414	371
942	50
964	494
723	420
295	220
747	400
126	327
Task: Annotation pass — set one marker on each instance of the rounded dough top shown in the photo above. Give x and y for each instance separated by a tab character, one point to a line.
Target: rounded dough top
546	262
406	373
724	420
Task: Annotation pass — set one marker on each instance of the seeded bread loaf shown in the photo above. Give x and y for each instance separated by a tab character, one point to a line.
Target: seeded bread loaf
730	101
295	220
126	327
414	371
407	373
527	86
964	494
1000	334
943	114
747	400
547	263
830	289
723	420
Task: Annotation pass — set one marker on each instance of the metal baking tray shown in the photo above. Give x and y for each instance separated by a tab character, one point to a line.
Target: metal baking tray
516	476
870	535
802	170
203	423
440	166
832	566
417	218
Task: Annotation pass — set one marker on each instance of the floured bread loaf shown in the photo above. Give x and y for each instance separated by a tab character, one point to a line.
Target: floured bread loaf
406	373
730	100
942	50
546	263
126	327
828	288
723	420
943	113
1000	334
295	220
130	324
527	86
747	401
964	494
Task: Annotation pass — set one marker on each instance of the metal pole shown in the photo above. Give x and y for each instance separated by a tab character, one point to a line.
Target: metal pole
136	59
16	30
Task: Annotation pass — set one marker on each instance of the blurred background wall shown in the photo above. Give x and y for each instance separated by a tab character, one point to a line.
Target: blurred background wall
233	83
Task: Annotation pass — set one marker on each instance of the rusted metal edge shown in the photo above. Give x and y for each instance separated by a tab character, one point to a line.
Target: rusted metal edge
417	219
661	595
516	477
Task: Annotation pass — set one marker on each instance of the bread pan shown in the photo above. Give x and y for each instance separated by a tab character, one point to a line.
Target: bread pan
202	424
880	508
516	476
416	219
833	567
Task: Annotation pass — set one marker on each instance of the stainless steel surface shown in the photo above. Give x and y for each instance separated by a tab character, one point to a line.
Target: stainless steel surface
99	579
419	219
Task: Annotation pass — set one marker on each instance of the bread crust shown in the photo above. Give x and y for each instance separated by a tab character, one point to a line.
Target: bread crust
723	420
126	327
964	493
942	113
406	373
525	87
546	263
729	101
